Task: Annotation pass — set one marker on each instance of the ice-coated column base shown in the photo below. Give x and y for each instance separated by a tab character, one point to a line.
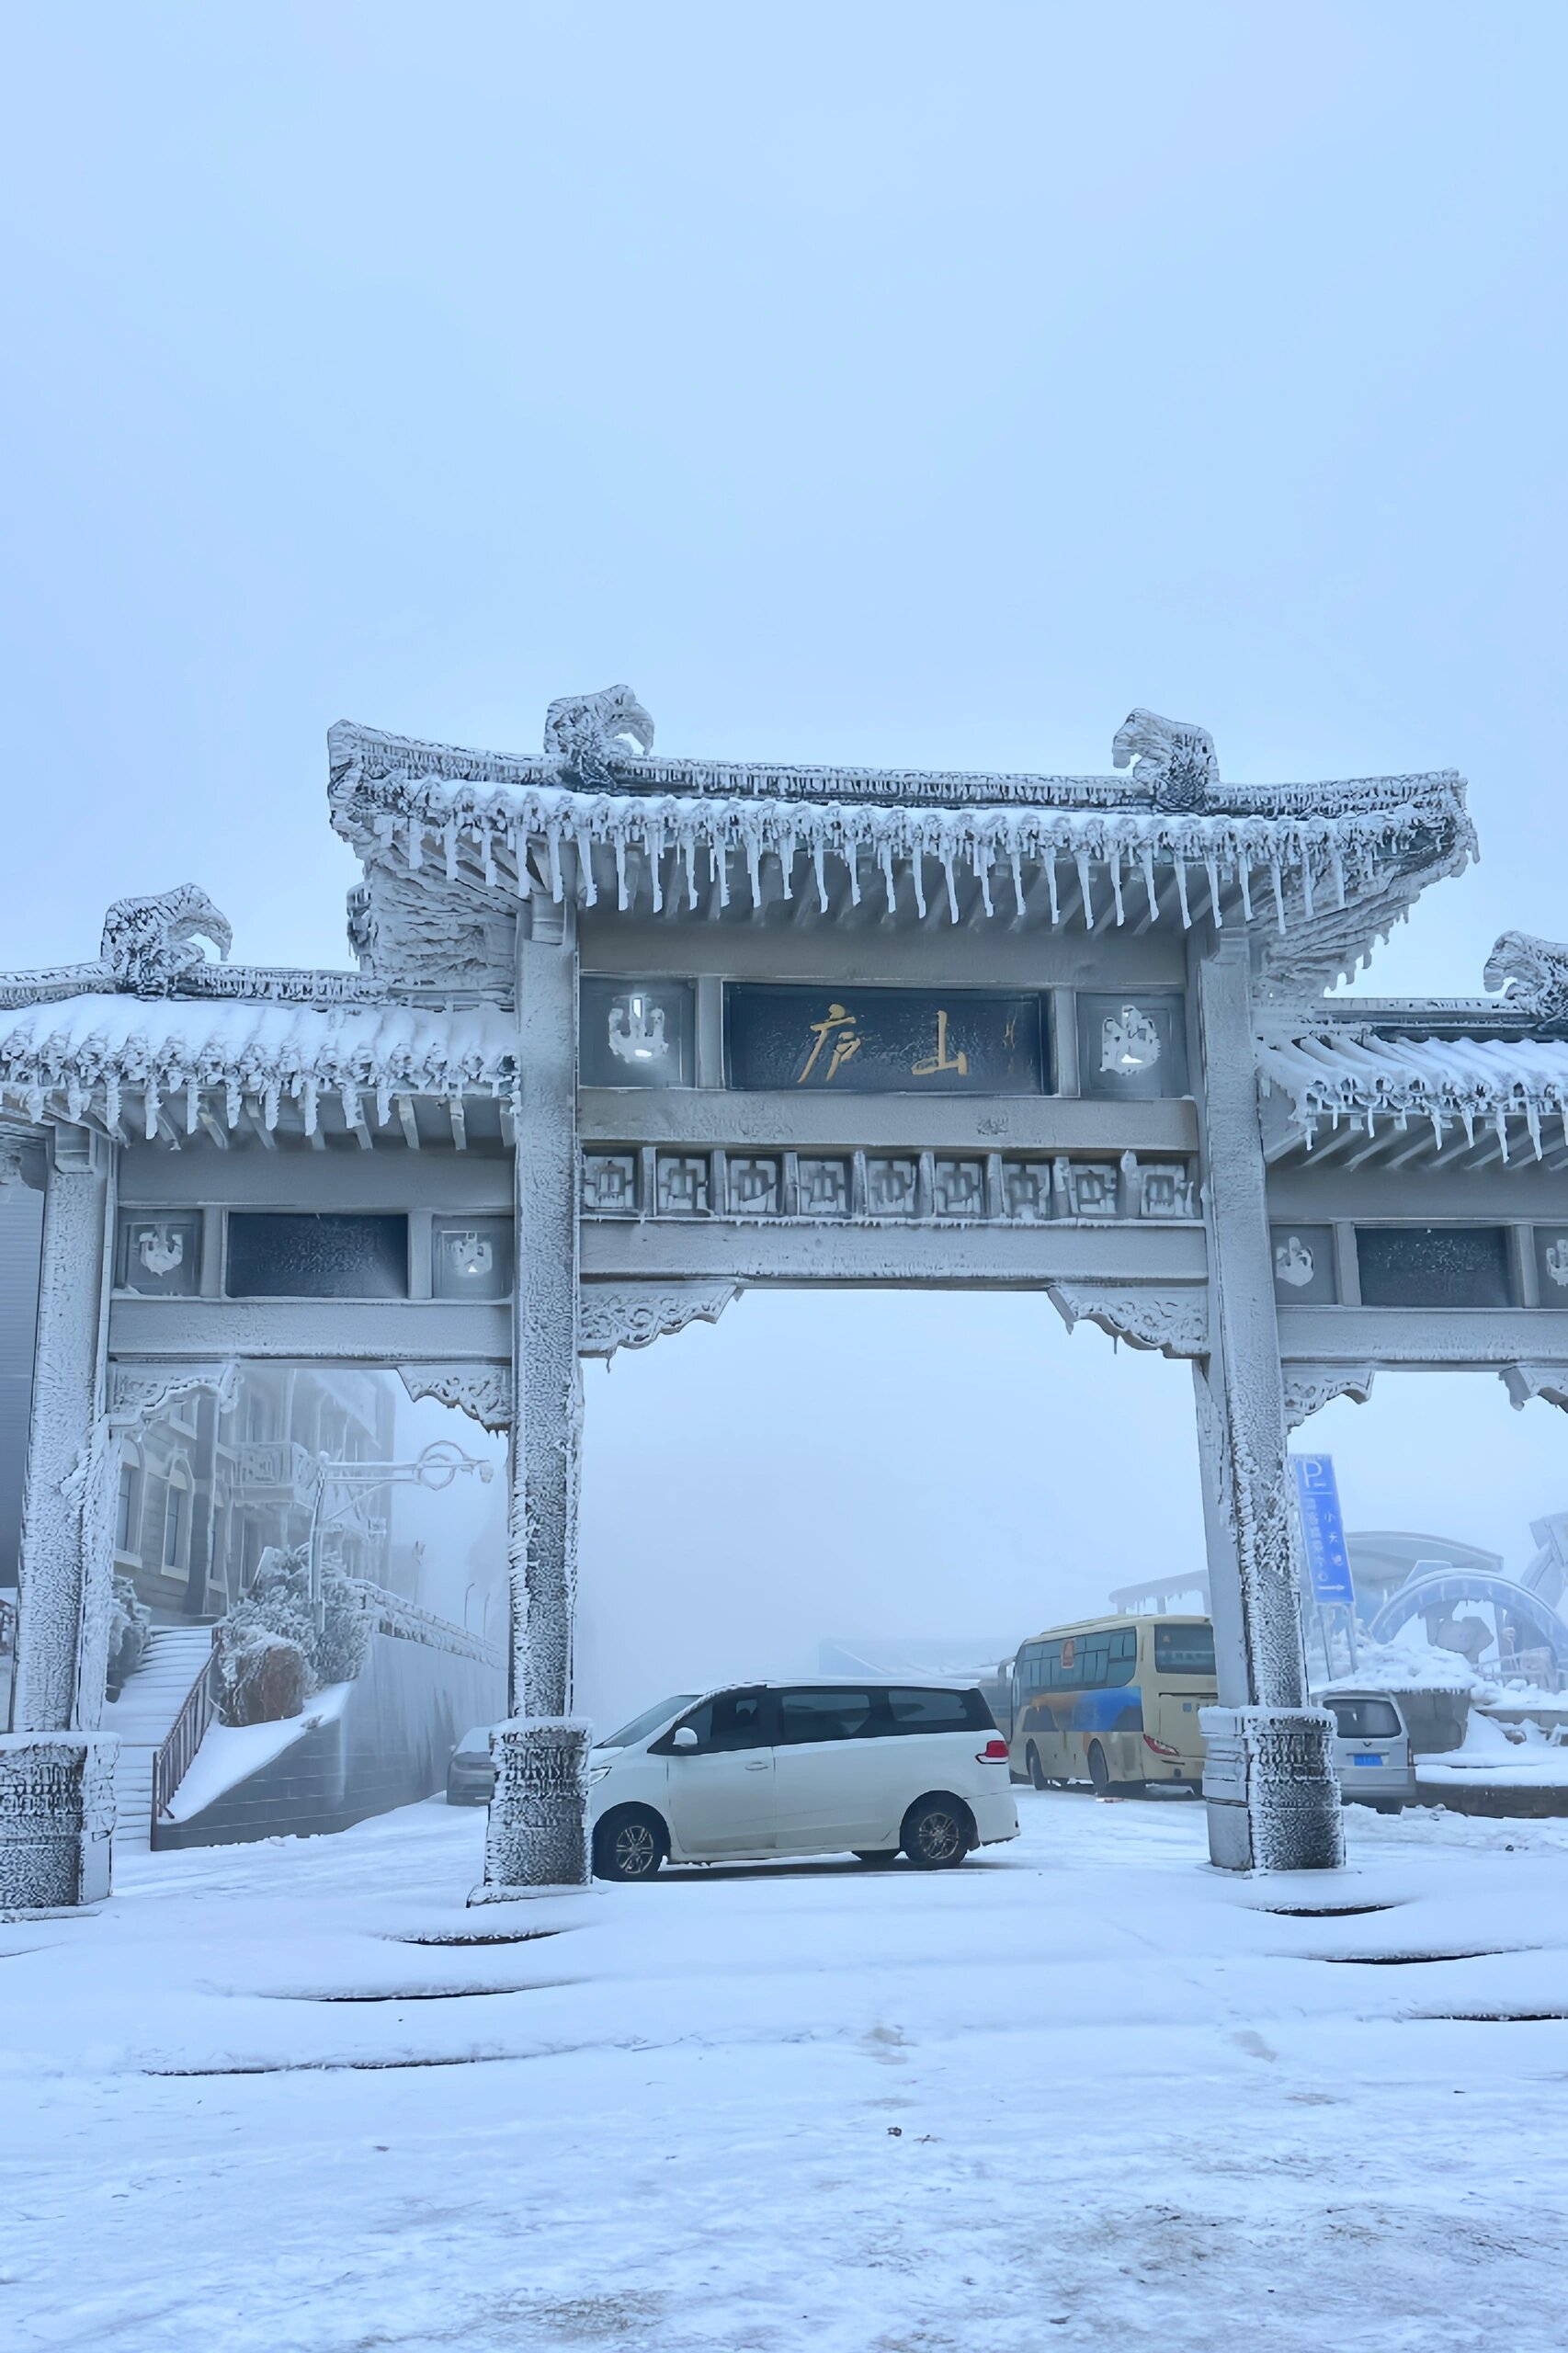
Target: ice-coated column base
56	1819
538	1832
1272	1795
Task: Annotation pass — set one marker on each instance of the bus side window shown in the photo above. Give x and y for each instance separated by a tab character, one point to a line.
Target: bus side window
1123	1662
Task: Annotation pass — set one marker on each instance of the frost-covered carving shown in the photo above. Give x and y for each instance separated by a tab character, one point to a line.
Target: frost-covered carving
587	733
537	1833
1293	1263
149	944
1174	1322
1130	1043
1532	973
483	1392
1524	1382
56	1820
631	1315
1269	1782
1308	1387
1171	758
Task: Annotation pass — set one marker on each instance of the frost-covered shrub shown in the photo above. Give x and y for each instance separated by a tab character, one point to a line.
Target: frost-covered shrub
130	1622
277	1607
345	1638
262	1677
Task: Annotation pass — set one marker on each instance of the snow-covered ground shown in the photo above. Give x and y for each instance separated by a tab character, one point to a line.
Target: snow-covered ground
1084	2092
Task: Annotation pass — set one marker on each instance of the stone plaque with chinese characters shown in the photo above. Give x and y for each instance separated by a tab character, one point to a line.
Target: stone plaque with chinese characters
884	1041
636	1033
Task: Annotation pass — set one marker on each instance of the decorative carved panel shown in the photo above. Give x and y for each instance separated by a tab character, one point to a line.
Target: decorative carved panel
1309	1386
1174	1322
630	1316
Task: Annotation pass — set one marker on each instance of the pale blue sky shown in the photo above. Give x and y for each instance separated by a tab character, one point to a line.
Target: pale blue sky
904	383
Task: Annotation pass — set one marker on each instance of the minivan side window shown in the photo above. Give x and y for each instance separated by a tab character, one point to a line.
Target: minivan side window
920	1710
733	1720
827	1715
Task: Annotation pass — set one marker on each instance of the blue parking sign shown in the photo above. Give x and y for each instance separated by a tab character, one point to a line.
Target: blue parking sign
1323	1529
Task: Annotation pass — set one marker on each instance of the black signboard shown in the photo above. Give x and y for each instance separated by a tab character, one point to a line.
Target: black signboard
884	1041
1433	1265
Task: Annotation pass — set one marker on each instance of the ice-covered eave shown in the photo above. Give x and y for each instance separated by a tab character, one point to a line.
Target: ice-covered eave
1514	1088
1338	863
177	1065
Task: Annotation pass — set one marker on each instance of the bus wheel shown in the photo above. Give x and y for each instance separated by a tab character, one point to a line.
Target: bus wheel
1037	1778
1099	1771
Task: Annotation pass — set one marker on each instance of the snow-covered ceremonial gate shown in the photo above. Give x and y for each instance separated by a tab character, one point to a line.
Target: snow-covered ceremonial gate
628	1034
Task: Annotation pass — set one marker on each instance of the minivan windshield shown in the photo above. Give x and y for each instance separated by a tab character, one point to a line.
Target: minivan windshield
649	1721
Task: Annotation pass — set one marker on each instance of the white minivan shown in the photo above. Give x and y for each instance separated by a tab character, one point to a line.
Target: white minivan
758	1769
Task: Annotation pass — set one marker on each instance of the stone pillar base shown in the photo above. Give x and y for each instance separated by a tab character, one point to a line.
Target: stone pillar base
538	1832
1272	1795
56	1819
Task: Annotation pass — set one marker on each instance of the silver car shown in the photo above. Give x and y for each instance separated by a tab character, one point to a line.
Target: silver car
1371	1750
471	1775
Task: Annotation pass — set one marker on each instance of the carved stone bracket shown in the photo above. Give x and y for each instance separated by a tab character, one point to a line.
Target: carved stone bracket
1308	1386
483	1392
1524	1382
139	1391
1174	1322
629	1315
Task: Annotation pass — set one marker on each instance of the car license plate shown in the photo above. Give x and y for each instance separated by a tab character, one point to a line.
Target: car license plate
1368	1760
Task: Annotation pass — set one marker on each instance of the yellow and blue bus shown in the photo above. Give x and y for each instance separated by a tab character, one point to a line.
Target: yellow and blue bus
1113	1701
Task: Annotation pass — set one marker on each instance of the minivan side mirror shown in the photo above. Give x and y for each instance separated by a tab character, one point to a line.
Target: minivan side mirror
684	1736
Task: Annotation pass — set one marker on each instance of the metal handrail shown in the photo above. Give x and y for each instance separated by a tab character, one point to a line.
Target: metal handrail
174	1758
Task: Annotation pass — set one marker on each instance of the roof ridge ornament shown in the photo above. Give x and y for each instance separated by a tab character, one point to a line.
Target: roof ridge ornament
1174	759
149	944
588	733
1531	972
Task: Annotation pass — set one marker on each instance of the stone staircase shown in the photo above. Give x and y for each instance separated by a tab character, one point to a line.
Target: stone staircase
144	1716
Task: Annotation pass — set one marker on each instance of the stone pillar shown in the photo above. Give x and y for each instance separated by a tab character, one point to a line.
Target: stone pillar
1273	1799
537	1834
56	1800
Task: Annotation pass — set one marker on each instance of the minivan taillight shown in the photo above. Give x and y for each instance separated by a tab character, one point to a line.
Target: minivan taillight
994	1752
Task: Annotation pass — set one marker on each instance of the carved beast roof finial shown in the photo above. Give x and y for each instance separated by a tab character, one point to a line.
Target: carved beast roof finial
1175	760
587	732
1532	973
150	943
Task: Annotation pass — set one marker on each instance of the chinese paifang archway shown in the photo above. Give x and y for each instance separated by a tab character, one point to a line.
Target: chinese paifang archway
627	1034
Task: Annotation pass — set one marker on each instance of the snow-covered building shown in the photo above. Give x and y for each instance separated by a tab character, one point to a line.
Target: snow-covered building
643	1031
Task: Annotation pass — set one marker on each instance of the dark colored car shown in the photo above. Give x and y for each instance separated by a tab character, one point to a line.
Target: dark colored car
471	1775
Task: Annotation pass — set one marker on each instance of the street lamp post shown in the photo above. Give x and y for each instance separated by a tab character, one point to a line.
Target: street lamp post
440	1464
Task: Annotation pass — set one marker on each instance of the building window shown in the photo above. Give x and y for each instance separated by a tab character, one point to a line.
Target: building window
128	1507
177	1518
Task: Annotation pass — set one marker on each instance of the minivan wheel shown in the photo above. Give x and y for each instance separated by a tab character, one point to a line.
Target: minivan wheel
629	1844
1037	1778
938	1833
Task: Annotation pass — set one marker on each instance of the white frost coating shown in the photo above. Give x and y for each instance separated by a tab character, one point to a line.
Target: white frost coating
93	1048
1394	833
1351	1072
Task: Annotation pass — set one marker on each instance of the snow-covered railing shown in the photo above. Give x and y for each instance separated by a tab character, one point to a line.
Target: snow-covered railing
407	1622
172	1760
